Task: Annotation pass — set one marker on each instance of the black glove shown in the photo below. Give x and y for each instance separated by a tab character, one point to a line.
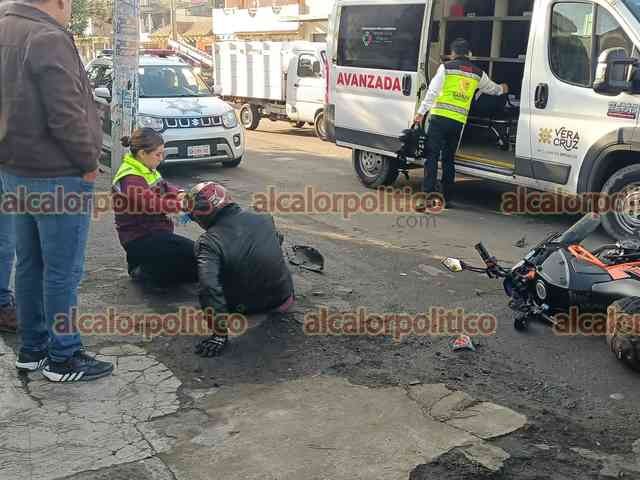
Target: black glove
213	346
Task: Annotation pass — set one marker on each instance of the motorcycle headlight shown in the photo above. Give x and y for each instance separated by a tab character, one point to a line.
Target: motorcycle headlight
145	121
229	119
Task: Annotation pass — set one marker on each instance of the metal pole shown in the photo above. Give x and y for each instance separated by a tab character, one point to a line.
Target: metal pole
174	33
126	33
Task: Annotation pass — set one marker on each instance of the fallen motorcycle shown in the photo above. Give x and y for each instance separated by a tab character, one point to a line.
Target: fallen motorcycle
560	275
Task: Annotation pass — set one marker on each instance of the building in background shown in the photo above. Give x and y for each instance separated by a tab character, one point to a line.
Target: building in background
98	33
202	22
195	30
272	20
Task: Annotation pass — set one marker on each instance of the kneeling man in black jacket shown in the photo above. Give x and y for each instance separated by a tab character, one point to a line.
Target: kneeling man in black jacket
241	266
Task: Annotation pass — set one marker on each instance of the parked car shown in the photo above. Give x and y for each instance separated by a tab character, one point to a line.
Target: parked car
198	127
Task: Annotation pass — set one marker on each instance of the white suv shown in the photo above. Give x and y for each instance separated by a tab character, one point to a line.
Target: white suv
173	100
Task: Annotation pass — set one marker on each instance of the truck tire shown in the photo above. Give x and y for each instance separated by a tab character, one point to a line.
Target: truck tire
250	116
622	333
375	170
232	163
625	186
320	126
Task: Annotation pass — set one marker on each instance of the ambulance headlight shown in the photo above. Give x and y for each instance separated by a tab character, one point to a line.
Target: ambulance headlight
229	119
145	121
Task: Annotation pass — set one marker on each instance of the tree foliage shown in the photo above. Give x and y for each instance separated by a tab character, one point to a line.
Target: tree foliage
79	17
99	11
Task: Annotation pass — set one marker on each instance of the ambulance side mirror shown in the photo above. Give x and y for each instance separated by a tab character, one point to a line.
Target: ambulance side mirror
613	72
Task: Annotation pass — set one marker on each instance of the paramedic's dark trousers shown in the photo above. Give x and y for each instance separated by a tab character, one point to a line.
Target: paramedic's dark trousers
167	259
443	137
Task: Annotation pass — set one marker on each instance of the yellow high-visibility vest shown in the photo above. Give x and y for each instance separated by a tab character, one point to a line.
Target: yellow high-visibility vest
132	166
461	82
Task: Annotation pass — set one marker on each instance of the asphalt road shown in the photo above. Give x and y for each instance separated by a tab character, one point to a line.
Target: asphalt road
390	261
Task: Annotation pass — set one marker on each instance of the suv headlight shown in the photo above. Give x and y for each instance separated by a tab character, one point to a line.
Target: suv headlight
145	121
229	119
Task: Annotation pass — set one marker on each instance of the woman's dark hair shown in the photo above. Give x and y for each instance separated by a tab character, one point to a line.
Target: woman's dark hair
142	140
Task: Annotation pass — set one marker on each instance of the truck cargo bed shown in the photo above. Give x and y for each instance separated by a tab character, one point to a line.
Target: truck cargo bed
251	70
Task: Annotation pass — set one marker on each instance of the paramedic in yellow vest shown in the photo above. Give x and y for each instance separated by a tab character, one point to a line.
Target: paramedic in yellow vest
143	204
448	101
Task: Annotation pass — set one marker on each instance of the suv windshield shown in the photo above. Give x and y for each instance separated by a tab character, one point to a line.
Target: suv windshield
171	81
634	6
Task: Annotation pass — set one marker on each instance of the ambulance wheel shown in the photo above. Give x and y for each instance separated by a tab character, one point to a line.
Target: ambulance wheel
320	126
623	330
232	163
250	116
375	170
622	218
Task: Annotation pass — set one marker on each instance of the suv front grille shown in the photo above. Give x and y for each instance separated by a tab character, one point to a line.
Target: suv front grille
193	122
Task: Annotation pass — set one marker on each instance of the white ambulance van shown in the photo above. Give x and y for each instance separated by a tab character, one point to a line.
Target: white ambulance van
571	121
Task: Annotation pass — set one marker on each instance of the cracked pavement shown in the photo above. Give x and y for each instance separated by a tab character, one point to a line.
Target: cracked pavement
299	429
284	405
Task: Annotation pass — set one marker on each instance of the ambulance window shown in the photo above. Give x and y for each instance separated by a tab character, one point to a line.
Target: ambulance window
609	34
384	37
571	42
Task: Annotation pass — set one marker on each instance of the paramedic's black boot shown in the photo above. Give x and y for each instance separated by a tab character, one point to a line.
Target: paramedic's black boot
448	197
430	203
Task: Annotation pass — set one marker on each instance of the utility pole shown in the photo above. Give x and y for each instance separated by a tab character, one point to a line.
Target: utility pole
174	32
124	103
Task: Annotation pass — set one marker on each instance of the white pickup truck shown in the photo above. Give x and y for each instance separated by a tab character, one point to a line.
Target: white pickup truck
275	80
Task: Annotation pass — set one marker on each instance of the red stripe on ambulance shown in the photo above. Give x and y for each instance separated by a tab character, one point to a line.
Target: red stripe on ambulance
372	82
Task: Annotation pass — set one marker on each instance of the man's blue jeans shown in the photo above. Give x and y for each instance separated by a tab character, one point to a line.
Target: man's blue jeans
50	246
7	250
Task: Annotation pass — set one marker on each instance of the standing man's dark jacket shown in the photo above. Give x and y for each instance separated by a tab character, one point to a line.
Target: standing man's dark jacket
241	265
49	124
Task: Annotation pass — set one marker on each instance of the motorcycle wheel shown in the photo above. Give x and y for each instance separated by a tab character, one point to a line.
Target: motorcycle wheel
623	330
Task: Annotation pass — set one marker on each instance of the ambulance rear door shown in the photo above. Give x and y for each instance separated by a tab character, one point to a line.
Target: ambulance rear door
375	81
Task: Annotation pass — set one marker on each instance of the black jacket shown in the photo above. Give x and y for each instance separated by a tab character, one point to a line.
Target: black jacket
241	265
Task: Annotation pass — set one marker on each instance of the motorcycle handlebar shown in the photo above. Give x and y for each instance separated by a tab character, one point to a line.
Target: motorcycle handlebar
581	230
484	254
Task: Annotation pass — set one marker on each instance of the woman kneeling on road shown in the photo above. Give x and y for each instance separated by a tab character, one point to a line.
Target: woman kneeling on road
142	202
